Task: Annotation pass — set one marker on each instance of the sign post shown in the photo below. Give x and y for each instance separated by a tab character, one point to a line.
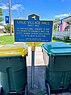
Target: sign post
32	69
33	30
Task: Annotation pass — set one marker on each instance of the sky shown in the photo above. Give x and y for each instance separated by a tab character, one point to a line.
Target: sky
46	9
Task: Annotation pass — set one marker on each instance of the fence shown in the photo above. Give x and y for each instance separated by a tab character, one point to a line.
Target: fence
61	35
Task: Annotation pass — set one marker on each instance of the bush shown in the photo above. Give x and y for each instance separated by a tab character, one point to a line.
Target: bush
66	39
55	38
7	28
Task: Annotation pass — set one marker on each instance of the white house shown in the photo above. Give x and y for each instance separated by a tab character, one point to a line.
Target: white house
1	28
67	31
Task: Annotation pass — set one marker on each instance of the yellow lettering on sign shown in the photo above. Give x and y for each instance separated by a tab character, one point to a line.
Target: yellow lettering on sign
34	17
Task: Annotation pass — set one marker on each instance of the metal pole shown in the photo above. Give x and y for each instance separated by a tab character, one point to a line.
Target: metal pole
32	68
10	16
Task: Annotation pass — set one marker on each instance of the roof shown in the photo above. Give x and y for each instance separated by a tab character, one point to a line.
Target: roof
67	19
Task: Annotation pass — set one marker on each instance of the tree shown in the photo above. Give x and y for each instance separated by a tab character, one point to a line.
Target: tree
1	14
7	28
56	19
56	24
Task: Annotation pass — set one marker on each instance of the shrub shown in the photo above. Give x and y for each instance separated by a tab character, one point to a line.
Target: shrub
7	28
55	38
66	39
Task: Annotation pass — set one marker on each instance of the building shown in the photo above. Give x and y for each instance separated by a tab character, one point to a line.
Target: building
67	31
1	27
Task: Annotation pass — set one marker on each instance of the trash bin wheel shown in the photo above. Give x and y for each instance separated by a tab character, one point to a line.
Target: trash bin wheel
47	88
70	88
1	91
25	91
13	93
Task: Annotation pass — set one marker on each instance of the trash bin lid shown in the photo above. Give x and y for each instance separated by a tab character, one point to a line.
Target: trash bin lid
61	51
13	50
56	45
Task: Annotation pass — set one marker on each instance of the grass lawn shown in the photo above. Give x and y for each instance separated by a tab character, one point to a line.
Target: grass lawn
6	39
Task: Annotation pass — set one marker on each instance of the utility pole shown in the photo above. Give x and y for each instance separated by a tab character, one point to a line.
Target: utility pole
10	16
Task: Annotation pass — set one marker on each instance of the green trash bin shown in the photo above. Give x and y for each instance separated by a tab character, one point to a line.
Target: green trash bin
52	45
58	67
13	68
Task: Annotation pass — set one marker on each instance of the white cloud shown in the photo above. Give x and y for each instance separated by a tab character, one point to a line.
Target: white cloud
4	6
17	6
62	15
14	7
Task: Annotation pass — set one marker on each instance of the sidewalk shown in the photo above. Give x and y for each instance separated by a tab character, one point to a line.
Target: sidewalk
3	34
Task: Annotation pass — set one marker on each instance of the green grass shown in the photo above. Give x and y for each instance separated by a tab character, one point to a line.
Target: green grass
56	41
7	39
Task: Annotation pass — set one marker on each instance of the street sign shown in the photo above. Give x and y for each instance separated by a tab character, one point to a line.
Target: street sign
7	19
33	29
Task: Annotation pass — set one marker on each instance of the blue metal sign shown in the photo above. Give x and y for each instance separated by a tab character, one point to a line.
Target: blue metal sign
7	19
33	30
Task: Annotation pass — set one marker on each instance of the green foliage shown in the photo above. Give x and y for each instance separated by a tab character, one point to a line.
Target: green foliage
55	25
1	12
55	28
1	18
55	39
7	28
66	39
57	19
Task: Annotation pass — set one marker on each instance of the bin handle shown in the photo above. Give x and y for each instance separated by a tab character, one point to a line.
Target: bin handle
24	52
53	58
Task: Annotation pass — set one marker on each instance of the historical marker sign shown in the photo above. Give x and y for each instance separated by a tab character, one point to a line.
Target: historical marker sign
33	29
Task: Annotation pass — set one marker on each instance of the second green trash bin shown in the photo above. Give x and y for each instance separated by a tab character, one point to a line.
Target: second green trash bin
58	67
